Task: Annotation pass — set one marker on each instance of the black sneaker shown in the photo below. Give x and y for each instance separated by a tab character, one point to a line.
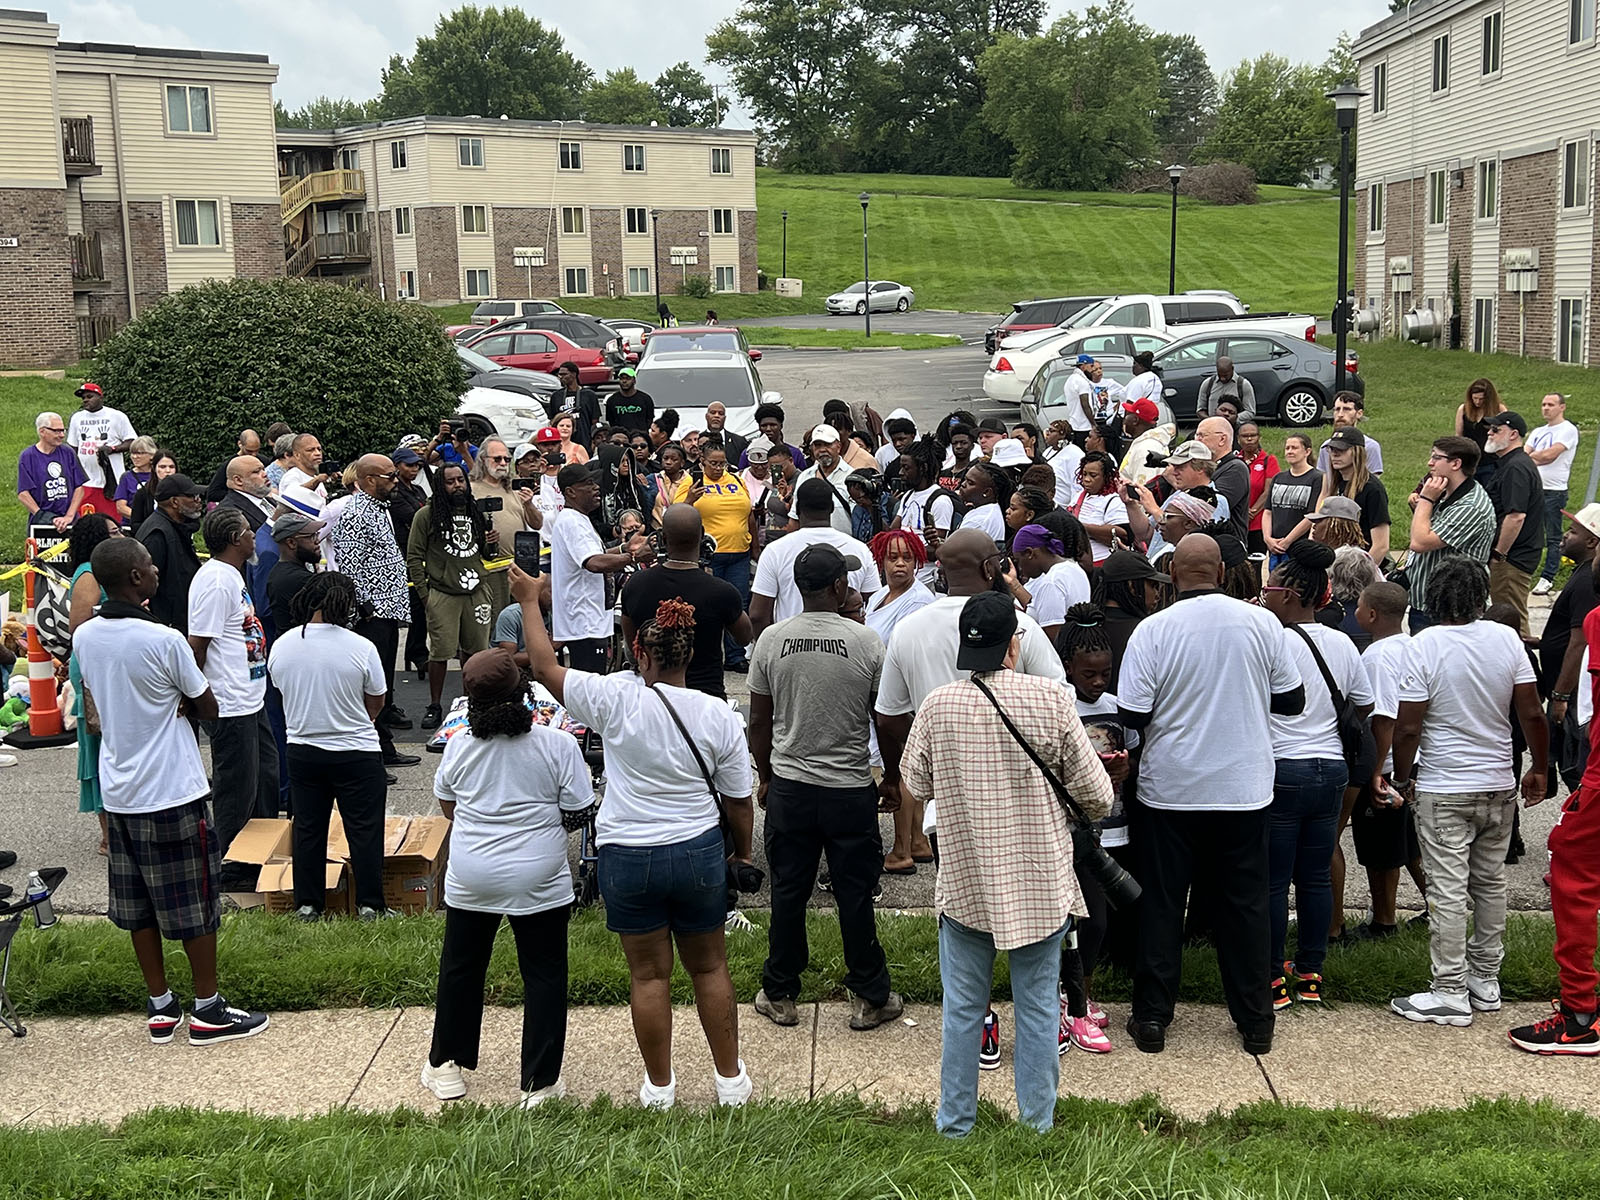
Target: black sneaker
402	760
5	891
1149	1036
220	1022
394	718
8	859
1371	931
162	1022
1256	1043
742	667
432	717
1562	1032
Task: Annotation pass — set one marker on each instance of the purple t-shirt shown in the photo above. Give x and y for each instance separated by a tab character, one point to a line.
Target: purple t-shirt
129	484
51	478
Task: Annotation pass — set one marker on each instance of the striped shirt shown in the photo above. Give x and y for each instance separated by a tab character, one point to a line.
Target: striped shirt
1465	523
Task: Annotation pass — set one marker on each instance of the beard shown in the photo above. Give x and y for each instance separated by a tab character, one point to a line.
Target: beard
309	555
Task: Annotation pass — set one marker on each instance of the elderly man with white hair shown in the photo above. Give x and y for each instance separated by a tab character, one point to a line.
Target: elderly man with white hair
1230	478
50	480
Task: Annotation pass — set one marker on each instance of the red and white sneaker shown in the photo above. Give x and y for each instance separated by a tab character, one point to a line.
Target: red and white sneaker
163	1022
989	1046
1098	1014
1086	1035
1562	1032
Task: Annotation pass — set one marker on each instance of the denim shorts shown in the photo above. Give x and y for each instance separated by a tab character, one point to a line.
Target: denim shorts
682	887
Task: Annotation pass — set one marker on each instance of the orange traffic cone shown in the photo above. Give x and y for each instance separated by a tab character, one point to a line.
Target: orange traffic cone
44	715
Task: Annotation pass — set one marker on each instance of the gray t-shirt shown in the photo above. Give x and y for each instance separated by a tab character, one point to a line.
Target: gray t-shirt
508	627
821	671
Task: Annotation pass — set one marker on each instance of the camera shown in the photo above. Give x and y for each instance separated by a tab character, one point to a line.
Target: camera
708	547
554	458
490	504
458	430
332	467
1121	889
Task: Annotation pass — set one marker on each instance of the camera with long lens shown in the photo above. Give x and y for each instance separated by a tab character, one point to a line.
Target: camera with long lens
708	547
1119	887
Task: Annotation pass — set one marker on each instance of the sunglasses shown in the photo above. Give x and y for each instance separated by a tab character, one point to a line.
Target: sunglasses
499	458
52	429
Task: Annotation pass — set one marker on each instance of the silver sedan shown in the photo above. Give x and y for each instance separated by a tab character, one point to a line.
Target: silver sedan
885	297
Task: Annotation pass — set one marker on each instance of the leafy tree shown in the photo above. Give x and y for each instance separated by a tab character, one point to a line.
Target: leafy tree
621	98
687	100
1274	118
486	62
1078	102
325	113
1188	95
215	357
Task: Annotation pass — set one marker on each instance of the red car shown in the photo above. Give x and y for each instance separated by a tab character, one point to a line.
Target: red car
542	350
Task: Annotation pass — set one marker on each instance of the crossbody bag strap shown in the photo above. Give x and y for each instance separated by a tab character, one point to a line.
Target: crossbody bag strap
1064	796
1327	675
700	762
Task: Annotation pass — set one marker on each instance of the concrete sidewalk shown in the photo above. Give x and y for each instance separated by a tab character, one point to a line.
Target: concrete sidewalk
1354	1056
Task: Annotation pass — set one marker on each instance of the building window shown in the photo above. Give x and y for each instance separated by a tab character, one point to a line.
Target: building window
406	288
633	157
725	279
188	108
638	280
1375	208
1380	88
1441	63
402	221
397	156
1436	197
1488	189
722	162
474	218
638	220
1575	174
477	283
571	156
350	159
577	281
1569	332
1491	45
722	221
572	220
469	152
1580	21
198	222
1483	326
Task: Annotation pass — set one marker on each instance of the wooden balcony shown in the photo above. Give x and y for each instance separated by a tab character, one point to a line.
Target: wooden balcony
329	249
88	265
77	146
324	187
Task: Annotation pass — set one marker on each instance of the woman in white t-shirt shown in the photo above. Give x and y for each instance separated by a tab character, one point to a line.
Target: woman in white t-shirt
1311	770
1044	580
663	869
513	789
1099	506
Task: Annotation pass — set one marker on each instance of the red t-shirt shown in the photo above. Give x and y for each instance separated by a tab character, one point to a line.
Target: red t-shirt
1263	467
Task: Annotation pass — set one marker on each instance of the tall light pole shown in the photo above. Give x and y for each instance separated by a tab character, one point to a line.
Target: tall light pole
785	215
866	273
1346	100
655	250
1174	173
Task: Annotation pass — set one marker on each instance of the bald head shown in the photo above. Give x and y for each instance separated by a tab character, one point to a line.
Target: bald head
375	475
246	473
965	557
1197	563
681	528
249	442
1217	435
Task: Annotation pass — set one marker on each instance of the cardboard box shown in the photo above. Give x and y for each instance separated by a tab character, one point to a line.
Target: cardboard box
269	844
416	851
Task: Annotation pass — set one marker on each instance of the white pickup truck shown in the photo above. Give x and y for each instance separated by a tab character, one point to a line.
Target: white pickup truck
1178	316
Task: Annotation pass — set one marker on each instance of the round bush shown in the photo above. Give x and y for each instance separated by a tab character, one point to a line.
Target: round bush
227	355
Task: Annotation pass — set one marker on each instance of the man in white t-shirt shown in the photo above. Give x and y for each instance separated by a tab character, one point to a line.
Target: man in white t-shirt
830	467
579	617
986	490
1065	458
163	854
96	429
230	644
773	594
1205	782
304	485
1047	582
1552	447
1078	397
1463	676
925	509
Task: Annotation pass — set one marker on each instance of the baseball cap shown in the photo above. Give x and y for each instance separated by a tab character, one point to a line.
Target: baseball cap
756	452
988	623
1347	438
547	434
825	434
628	371
89	389
1342	507
819	565
1145	410
177	485
1124	566
1191	451
406	456
991	425
1587	518
1085	359
1509	418
413	441
290	524
492	675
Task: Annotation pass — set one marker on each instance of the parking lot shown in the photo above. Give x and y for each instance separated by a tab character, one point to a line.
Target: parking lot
967	326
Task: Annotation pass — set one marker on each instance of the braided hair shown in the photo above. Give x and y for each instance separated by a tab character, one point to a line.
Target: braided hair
332	594
929	457
1458	593
1083	633
1001	479
1306	571
1074	537
1036	502
669	635
882	543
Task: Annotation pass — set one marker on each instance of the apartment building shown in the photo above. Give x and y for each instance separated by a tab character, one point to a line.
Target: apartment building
1476	172
444	209
125	173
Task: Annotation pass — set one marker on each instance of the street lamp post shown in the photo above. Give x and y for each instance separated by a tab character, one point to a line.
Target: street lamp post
655	250
1174	173
1346	100
866	273
785	215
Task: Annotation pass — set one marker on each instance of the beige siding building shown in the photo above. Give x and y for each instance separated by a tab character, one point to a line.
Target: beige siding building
1477	163
446	208
125	173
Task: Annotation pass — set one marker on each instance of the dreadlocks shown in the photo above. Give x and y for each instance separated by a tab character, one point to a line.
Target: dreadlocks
440	508
1306	571
1001	480
886	541
929	457
1074	537
1083	633
330	593
669	635
1036	502
1458	591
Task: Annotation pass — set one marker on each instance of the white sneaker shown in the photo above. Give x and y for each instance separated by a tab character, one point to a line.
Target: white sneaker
1439	1007
736	1091
1484	994
652	1096
1542	588
556	1091
444	1081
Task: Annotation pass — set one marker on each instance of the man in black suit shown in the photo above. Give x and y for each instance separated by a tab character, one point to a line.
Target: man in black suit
248	490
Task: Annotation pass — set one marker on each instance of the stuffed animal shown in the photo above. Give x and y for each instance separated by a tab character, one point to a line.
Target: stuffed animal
13	712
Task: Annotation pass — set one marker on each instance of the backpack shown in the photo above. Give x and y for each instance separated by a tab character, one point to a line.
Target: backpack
957	509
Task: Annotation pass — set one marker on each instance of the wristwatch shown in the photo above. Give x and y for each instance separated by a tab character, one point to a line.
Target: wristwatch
1564	697
1496	556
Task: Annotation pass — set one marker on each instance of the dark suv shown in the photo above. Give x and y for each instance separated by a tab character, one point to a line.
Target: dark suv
1036	314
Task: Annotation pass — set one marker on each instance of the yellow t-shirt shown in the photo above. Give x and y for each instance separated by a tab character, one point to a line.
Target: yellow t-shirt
725	512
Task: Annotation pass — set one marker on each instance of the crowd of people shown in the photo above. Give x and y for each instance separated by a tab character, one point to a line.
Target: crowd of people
1120	691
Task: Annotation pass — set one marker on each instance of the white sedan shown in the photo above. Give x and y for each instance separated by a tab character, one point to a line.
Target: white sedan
886	297
1018	358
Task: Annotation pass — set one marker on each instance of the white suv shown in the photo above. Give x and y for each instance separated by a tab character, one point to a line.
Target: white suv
492	312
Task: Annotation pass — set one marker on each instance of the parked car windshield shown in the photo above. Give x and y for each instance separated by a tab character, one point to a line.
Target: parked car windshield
1089	316
498	308
715	339
689	386
476	361
854	287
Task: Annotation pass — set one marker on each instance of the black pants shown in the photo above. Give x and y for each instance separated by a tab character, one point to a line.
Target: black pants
384	633
463	966
804	822
417	632
587	654
355	780
1226	854
244	781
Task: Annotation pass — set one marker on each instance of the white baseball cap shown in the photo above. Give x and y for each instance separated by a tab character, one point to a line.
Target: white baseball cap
825	434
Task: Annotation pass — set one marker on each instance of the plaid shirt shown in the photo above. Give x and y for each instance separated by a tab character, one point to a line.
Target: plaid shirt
364	546
1005	845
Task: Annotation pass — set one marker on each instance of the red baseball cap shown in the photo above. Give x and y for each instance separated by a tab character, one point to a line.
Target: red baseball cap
89	389
547	434
1145	410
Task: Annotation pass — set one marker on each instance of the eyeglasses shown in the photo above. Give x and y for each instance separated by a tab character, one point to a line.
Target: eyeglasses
1274	588
499	458
52	429
388	475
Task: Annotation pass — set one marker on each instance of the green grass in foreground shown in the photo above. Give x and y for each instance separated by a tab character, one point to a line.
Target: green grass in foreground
86	968
837	1149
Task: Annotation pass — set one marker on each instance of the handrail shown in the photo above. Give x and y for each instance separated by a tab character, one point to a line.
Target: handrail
320	187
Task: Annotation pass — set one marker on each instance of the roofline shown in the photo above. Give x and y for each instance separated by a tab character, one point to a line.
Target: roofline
1420	14
163	52
477	124
23	14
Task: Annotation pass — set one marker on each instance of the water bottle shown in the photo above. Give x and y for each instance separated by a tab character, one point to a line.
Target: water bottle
44	912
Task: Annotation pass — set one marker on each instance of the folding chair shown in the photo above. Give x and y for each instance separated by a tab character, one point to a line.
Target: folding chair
11	914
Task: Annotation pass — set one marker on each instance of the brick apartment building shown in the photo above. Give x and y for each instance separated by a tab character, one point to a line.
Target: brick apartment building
444	209
119	164
1476	159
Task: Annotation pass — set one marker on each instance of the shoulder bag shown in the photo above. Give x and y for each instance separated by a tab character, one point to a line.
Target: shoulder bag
1355	735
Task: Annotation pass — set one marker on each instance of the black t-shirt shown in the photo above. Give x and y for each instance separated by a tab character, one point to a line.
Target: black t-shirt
633	413
1517	488
284	582
716	606
1374	502
1290	497
1232	479
584	408
1576	601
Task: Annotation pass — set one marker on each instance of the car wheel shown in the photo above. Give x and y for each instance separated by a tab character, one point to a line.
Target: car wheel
1300	405
861	307
478	428
903	305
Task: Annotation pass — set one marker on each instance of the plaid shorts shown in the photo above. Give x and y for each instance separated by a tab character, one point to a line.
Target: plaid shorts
163	871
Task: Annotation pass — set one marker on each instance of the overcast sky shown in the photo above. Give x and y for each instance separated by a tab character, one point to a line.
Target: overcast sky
339	48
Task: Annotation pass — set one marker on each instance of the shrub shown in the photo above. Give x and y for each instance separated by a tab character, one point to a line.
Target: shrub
698	286
1212	183
219	357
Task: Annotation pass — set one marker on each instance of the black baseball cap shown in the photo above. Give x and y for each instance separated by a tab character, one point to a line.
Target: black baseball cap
988	623
1348	438
1125	566
1509	418
177	485
820	565
992	425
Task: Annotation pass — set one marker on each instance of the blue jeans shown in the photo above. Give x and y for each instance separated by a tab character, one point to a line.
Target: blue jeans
1555	499
966	971
1302	828
735	569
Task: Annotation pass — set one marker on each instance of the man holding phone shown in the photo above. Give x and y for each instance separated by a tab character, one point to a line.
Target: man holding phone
491	480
